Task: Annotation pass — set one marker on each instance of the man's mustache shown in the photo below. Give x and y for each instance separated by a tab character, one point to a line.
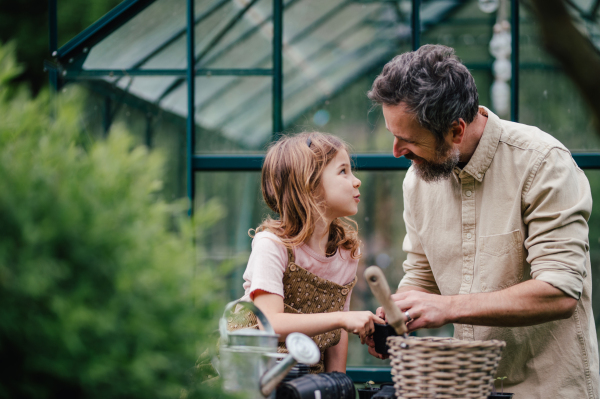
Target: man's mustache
412	157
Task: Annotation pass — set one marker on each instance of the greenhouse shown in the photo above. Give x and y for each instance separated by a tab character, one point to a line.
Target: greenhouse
212	83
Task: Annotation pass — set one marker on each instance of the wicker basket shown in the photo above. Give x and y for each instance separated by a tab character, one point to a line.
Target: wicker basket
440	368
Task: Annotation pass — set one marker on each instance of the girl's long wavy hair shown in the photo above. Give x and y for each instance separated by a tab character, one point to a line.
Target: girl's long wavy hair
291	187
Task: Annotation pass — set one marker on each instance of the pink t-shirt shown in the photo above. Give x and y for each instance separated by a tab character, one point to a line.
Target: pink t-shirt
269	260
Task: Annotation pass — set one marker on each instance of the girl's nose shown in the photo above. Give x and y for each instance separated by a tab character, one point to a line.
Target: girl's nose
357	182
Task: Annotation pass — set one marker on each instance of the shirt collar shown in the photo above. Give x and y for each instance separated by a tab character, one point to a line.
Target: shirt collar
486	149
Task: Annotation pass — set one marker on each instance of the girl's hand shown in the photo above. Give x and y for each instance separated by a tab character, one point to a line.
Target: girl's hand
361	323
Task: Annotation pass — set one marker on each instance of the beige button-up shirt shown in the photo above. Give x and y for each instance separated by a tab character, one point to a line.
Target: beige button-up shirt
518	210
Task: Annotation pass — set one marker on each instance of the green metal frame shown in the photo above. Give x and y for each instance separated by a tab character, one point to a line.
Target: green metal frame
369	162
191	102
67	62
364	374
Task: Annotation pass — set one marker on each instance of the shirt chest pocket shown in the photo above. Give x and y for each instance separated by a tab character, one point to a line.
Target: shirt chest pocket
500	260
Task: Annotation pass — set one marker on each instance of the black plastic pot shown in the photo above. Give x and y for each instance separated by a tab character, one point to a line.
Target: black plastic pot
297	371
382	331
499	395
386	392
330	386
367	393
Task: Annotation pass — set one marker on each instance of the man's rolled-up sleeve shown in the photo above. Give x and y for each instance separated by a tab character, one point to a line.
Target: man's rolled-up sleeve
557	204
417	271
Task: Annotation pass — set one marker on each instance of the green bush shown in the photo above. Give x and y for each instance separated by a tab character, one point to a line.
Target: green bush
99	294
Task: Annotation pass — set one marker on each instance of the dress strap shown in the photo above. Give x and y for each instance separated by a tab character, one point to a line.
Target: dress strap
353	283
291	257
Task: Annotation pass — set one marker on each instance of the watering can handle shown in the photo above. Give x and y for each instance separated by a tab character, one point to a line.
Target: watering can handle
248	306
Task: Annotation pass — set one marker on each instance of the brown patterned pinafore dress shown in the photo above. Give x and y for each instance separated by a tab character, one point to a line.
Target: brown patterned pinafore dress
305	293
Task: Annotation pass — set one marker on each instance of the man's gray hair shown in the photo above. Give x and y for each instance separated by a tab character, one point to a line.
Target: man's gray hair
434	85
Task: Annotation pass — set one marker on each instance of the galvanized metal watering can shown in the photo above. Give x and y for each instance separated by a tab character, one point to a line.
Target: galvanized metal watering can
248	357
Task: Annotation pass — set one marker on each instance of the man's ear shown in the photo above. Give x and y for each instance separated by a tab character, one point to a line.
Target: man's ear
457	130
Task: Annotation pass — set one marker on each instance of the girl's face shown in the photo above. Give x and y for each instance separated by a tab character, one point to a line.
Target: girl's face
340	187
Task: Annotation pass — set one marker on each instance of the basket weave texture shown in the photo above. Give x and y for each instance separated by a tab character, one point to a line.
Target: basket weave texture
443	368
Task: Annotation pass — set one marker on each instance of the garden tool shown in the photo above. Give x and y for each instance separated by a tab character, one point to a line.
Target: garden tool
381	291
248	357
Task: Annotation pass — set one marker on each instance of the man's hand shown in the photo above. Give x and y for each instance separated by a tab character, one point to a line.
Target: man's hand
528	303
405	294
525	304
425	310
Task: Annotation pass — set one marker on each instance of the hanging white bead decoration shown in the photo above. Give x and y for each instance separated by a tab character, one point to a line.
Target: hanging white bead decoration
501	49
501	97
488	6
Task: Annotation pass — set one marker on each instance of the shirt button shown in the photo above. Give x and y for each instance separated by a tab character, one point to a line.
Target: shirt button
469	236
468	193
467	278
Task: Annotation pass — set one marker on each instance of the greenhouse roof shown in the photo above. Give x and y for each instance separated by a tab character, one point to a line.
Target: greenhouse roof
140	48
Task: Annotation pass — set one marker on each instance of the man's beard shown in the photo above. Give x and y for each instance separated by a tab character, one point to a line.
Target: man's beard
446	159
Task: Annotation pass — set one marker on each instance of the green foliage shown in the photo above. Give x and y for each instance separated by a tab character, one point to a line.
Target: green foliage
501	379
9	69
97	283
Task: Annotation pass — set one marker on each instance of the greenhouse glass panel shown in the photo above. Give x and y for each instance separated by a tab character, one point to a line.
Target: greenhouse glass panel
594	237
146	88
228	34
223	107
138	38
222	113
240	208
155	38
547	97
469	31
340	57
246	40
327	54
155	129
351	116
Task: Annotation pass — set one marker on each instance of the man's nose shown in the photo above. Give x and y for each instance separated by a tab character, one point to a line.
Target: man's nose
398	149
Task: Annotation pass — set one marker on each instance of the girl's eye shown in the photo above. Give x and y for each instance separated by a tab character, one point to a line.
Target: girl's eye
343	171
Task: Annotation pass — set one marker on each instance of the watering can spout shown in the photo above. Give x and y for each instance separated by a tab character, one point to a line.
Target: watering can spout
301	349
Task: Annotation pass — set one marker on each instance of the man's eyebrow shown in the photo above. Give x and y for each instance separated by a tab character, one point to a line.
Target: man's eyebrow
400	137
403	139
407	140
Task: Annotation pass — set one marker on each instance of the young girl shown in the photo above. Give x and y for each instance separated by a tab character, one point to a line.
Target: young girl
303	265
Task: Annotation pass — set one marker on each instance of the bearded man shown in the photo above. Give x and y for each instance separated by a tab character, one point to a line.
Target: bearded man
496	218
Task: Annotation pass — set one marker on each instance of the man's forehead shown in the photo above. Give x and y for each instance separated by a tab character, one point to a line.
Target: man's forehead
396	114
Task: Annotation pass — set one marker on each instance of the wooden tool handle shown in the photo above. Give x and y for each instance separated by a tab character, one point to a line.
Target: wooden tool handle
381	291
